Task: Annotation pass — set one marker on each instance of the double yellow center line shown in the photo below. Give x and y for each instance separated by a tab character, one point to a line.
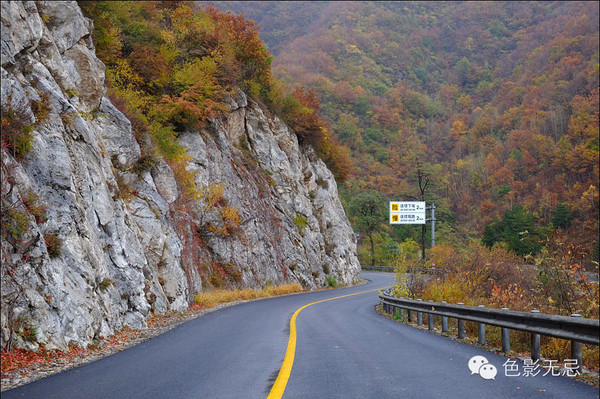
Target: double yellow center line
286	368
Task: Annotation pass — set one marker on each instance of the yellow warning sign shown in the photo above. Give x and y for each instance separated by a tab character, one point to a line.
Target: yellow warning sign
407	212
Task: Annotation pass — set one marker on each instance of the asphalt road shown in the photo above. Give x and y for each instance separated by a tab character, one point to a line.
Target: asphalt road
344	350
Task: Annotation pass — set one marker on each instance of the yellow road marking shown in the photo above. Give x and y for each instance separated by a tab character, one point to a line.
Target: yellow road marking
288	361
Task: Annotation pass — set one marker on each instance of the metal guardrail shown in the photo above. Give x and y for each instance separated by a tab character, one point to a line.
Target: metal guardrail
573	328
413	270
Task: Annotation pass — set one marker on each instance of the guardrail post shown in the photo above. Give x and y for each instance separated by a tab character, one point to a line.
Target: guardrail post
577	350
481	330
401	314
505	338
461	326
419	315
444	322
430	320
535	343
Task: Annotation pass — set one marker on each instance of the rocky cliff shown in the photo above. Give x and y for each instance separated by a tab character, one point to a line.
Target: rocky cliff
94	238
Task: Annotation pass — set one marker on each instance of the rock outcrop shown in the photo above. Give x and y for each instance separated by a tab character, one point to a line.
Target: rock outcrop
116	243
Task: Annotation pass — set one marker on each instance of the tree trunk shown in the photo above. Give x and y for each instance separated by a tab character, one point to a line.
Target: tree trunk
372	250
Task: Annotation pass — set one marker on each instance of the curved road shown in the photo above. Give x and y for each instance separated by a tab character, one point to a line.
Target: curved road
343	350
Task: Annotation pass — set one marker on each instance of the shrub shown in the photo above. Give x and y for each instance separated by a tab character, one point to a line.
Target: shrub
164	139
17	126
16	133
145	163
104	284
125	191
233	272
331	281
300	222
216	281
243	144
191	109
562	278
15	223
53	244
28	334
41	108
336	157
497	278
300	112
452	290
23	328
322	183
230	218
33	205
210	198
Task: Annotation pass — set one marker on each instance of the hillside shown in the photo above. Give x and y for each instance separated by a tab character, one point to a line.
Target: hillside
496	102
138	177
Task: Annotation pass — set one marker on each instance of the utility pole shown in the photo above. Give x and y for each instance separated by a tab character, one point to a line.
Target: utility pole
432	220
423	230
432	224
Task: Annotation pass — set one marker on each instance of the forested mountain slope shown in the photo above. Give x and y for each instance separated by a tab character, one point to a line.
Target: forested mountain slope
497	102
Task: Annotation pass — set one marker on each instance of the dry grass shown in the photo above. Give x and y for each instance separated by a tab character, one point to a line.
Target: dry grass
210	299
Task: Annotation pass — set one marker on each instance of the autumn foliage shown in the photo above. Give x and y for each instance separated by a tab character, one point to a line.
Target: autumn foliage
555	283
301	112
500	97
174	63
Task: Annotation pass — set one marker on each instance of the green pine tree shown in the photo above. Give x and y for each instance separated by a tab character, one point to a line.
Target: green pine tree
519	230
562	216
490	234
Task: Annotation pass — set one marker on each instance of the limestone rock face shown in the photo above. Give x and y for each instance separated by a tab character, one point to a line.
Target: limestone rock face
129	245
